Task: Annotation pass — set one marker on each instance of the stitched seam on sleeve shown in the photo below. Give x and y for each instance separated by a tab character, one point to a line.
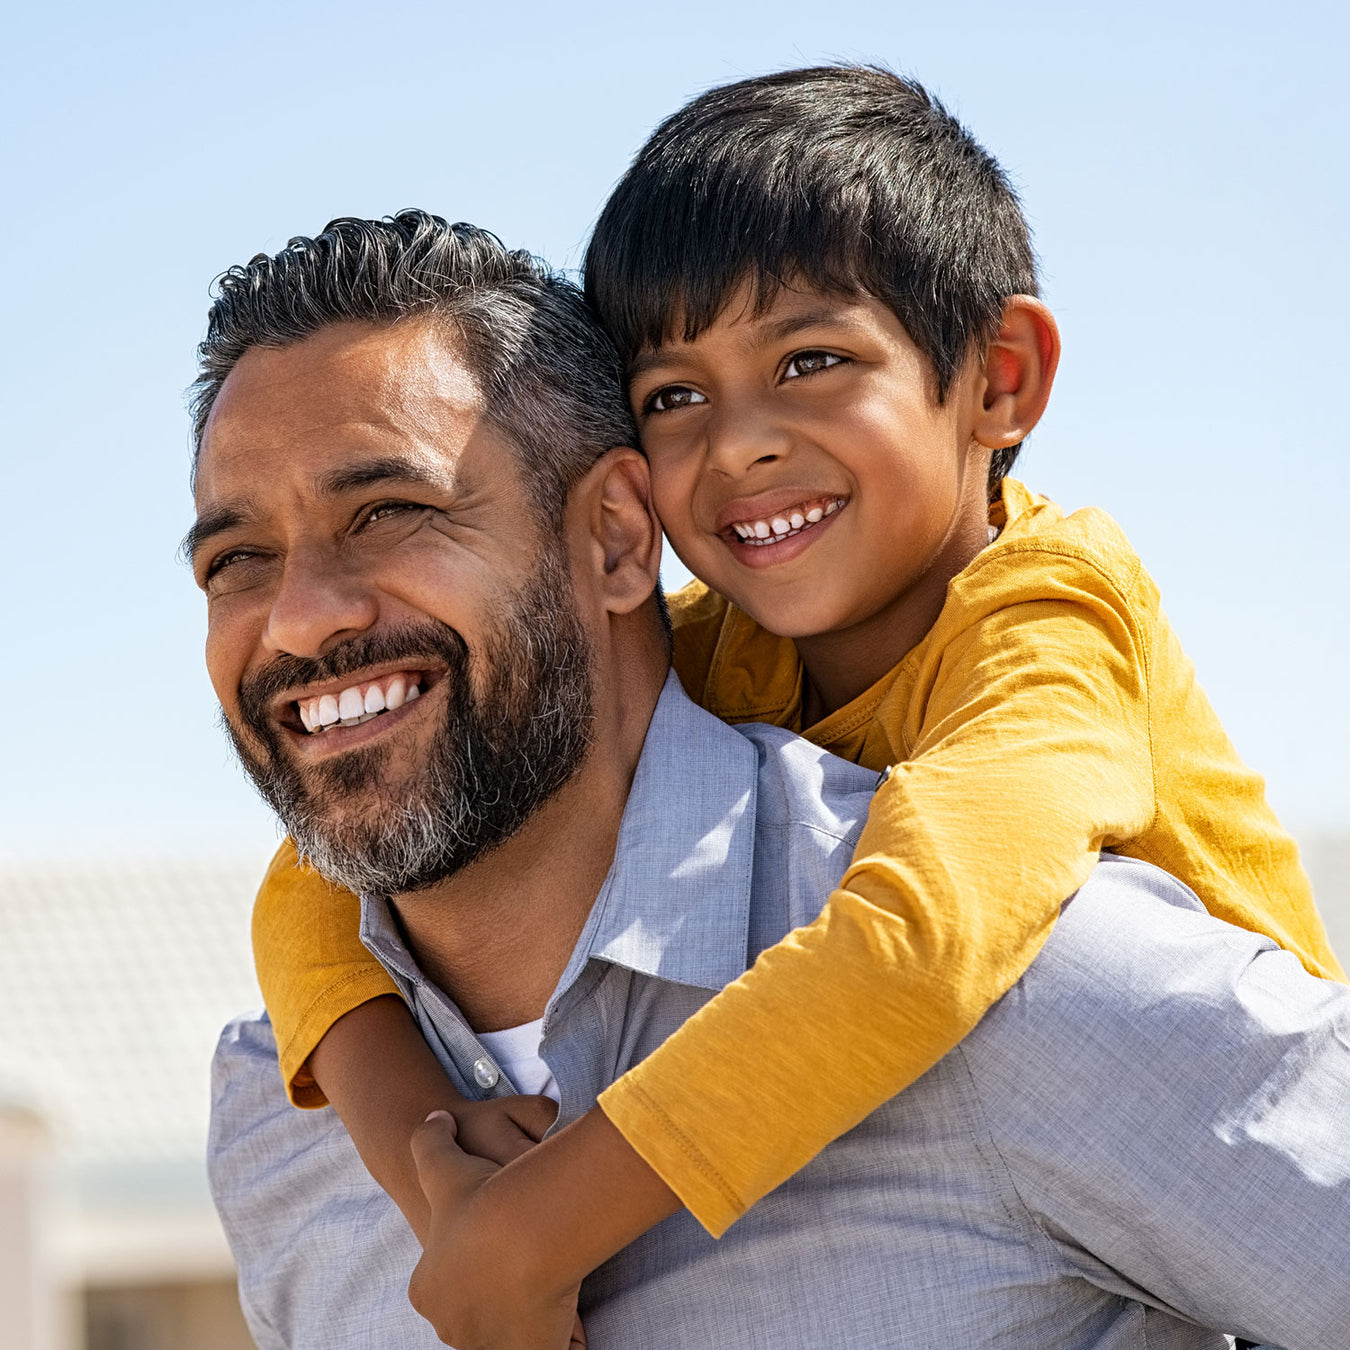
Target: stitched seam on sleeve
690	1150
317	1009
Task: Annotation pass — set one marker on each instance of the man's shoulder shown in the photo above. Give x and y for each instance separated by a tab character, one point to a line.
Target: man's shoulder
802	786
1137	983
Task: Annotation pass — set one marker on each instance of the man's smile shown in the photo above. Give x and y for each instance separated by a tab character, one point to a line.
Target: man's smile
358	703
339	712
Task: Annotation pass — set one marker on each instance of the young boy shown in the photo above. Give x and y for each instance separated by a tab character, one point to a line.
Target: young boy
825	293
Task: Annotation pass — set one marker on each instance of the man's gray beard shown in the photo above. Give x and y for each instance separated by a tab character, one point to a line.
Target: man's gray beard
497	757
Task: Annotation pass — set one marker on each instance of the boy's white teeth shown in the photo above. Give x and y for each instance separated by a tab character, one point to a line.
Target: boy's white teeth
778	528
353	706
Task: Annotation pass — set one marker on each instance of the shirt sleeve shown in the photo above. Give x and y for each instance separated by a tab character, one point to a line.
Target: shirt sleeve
1167	1093
312	965
1029	736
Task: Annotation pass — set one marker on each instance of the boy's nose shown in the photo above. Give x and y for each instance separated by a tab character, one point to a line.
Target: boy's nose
318	604
742	437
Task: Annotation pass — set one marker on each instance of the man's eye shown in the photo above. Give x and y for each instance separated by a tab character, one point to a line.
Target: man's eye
382	511
218	564
809	363
674	396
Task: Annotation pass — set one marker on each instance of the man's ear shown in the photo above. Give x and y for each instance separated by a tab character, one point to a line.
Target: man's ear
1016	374
619	529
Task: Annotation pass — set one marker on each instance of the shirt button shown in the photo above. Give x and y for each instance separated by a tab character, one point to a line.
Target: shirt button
486	1074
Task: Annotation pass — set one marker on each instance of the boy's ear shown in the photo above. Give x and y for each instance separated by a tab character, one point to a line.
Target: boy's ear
619	529
1016	374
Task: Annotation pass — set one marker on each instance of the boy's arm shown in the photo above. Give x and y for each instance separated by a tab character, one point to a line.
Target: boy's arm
507	1250
345	1036
382	1078
312	966
1030	751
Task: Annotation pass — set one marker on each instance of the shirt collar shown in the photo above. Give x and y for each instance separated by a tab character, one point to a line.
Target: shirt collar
675	904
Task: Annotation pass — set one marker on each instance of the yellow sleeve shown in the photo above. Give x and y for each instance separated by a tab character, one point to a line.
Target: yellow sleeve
312	966
1028	731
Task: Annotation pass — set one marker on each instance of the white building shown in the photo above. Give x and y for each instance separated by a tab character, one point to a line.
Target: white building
114	983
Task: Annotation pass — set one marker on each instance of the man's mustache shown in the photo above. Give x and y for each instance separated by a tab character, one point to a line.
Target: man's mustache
412	643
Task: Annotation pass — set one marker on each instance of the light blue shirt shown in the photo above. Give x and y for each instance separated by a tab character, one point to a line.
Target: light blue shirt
1147	1137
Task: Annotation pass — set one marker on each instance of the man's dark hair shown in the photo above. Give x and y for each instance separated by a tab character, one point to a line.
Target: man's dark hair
844	178
551	380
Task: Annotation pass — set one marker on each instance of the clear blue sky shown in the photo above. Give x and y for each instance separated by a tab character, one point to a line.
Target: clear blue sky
1184	166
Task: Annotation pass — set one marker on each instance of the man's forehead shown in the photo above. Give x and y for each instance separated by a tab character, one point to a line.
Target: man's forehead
346	395
347	369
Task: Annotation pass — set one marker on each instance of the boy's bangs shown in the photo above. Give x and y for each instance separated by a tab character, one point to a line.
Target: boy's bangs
712	278
678	263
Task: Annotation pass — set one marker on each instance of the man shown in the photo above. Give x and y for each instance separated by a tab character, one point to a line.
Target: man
412	465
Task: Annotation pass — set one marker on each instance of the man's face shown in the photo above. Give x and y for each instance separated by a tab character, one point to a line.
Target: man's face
392	636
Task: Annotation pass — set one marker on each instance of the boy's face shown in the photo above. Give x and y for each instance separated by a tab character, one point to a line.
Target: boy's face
803	467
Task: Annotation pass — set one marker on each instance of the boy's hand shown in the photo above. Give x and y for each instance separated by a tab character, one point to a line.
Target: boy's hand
473	1283
502	1128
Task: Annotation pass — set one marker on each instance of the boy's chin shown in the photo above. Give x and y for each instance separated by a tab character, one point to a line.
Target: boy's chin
795	612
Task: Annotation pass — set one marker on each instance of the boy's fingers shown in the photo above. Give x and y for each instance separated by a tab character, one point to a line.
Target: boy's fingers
444	1169
534	1115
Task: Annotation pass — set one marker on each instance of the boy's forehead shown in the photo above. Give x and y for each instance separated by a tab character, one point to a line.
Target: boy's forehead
759	312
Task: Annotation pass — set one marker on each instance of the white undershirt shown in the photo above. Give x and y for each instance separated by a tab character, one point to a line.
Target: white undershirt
516	1050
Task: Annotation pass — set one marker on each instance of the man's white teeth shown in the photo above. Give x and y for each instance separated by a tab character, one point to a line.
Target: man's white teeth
353	706
778	528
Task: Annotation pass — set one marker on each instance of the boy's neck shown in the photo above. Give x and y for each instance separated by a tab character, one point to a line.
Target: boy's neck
839	666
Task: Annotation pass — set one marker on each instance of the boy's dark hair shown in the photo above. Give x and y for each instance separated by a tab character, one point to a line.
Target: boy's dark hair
845	178
551	380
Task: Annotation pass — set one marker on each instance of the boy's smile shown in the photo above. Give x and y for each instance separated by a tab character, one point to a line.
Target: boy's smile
803	467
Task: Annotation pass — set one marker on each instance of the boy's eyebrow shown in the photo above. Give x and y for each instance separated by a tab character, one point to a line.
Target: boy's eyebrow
764	332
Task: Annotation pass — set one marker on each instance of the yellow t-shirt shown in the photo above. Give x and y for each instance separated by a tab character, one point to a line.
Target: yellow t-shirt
1048	714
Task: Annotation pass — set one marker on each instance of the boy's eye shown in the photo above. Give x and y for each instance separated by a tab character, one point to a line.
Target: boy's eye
808	363
674	396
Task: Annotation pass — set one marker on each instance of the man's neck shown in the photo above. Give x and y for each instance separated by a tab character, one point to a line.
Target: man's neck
497	935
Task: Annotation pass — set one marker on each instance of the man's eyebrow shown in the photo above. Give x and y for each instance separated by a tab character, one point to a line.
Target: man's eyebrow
761	334
208	525
388	469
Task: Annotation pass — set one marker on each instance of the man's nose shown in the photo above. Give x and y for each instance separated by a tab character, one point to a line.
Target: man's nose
742	434
321	601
